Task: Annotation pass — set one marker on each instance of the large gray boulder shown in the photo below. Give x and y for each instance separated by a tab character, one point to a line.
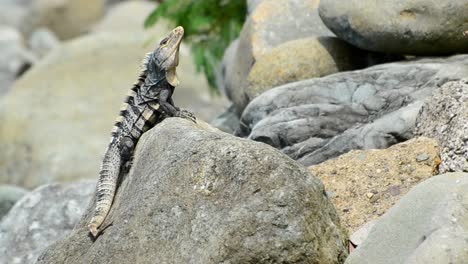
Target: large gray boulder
425	27
321	118
197	195
428	225
40	218
445	117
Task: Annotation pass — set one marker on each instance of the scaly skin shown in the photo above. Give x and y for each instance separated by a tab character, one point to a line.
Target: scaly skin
148	103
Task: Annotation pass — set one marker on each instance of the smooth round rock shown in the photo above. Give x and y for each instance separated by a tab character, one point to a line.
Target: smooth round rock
420	27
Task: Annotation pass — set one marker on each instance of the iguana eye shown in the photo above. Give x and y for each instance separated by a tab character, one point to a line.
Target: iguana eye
164	41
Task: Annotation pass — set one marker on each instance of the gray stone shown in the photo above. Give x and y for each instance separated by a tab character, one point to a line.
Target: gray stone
9	195
40	218
197	195
272	23
43	41
428	225
321	118
228	121
424	27
445	117
226	73
358	237
14	58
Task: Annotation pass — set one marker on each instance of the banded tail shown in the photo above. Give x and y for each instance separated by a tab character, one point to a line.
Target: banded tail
106	187
113	161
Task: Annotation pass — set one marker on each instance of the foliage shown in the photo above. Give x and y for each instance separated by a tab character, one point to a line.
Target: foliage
210	25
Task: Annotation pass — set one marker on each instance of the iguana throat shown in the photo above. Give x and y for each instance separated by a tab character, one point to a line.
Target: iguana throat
166	56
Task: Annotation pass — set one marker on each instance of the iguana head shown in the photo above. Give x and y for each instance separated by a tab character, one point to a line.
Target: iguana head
166	54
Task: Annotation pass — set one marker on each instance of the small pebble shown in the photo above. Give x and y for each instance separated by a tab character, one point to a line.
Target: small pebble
422	157
374	198
369	195
394	190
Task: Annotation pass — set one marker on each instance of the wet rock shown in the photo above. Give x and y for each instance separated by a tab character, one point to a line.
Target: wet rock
403	27
9	195
40	218
368	182
428	225
271	23
198	195
318	119
444	117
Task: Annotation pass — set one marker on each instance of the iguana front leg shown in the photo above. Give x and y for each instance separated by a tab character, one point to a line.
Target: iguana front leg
170	109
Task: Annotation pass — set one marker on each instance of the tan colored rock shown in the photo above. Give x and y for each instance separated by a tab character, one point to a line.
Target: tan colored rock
420	27
56	120
270	24
66	18
387	174
130	16
305	58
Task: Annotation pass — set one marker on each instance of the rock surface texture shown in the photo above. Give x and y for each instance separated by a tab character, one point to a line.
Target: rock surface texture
428	225
9	195
445	117
420	27
364	184
271	23
321	118
306	58
202	196
40	218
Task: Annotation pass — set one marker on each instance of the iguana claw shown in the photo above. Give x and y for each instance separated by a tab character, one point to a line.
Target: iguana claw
187	115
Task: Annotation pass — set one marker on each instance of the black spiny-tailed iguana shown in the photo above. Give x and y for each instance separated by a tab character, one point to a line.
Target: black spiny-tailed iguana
148	103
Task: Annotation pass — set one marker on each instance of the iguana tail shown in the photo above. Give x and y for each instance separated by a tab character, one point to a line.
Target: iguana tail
106	187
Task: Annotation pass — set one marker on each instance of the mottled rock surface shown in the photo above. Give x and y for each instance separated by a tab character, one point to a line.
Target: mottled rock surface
306	58
445	117
428	225
271	23
40	218
197	195
424	27
364	184
9	195
321	118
